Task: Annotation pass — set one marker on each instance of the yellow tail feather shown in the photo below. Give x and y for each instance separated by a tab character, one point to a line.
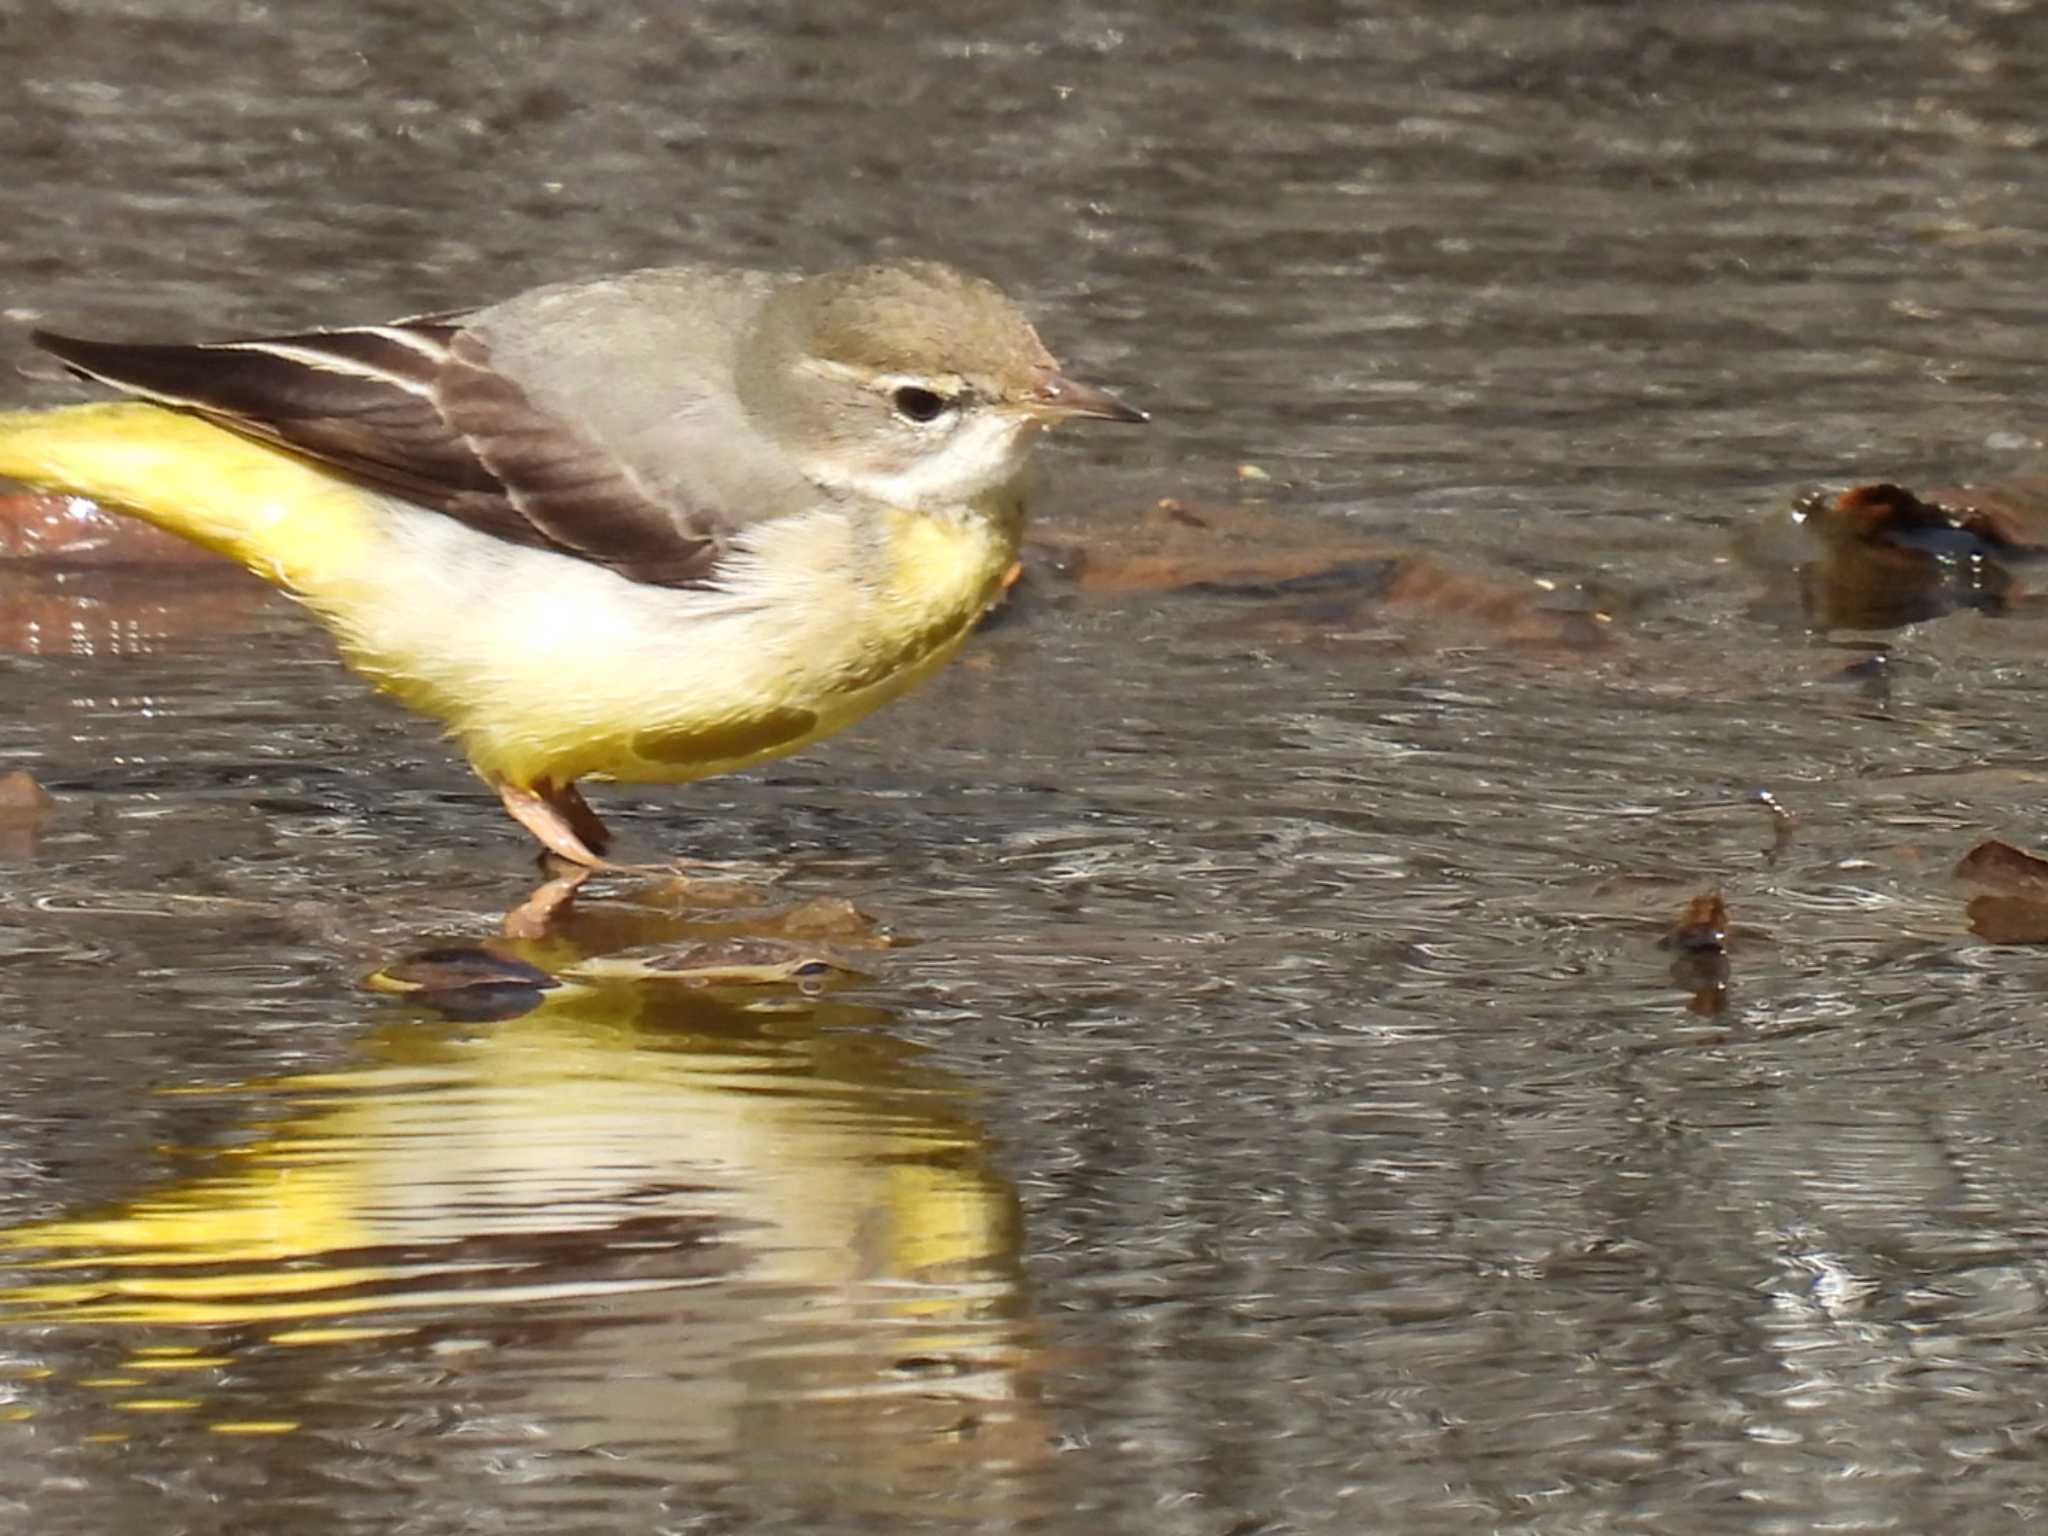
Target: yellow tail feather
286	520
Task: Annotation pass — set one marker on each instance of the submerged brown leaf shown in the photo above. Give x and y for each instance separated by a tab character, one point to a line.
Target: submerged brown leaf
22	798
2016	911
24	806
1328	579
2005	869
1175	545
677	911
1702	928
1887	516
1700	941
2009	919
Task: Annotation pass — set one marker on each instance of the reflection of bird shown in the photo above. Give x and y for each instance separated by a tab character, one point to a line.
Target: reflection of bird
608	1104
733	1238
650	527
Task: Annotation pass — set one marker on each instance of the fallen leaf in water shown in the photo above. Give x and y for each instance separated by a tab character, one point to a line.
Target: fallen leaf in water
1893	517
1175	545
694	894
1703	928
24	806
2005	868
1514	612
2008	919
465	983
1700	938
21	796
2018	911
831	918
1333	581
674	913
729	963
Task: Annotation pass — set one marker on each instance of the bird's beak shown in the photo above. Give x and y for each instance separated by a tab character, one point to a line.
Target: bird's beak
1059	397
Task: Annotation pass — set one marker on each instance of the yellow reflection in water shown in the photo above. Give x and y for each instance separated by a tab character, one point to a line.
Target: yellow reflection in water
775	1212
828	1155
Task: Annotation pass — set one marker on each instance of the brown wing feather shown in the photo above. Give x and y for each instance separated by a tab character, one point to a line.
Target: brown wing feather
417	410
569	488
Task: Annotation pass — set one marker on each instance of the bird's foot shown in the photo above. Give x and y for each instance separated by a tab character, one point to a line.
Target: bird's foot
560	818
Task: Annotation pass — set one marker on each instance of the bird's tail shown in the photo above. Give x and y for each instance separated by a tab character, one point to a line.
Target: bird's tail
282	517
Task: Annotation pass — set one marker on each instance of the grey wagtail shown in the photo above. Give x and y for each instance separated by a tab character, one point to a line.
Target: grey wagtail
649	527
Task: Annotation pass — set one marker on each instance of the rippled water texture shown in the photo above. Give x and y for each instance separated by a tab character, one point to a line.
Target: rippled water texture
1260	1101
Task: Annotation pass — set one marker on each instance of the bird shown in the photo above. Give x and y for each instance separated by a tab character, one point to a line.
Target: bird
648	527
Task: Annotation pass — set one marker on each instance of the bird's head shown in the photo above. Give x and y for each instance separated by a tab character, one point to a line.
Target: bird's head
910	382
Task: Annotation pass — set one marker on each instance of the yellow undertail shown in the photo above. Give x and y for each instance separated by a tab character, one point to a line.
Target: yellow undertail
279	516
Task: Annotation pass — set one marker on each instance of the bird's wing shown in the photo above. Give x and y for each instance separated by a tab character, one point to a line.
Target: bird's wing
418	409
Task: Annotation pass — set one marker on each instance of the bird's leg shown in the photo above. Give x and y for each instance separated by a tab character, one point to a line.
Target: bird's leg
558	818
583	821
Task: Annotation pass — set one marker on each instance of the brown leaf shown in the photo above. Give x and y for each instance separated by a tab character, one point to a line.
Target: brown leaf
2009	919
2006	869
1174	545
1702	929
1333	579
22	798
24	806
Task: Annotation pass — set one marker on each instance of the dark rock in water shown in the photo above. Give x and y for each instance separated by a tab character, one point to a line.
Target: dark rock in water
1879	556
454	966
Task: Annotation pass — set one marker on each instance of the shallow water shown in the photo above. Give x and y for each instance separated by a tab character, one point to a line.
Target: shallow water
1275	1112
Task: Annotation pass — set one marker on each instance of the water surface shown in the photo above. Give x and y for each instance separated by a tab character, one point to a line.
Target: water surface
1277	1114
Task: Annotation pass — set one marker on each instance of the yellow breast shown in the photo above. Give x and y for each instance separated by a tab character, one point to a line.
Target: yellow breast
941	576
854	629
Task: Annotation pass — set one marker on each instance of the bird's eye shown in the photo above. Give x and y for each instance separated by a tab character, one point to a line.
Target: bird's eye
919	405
